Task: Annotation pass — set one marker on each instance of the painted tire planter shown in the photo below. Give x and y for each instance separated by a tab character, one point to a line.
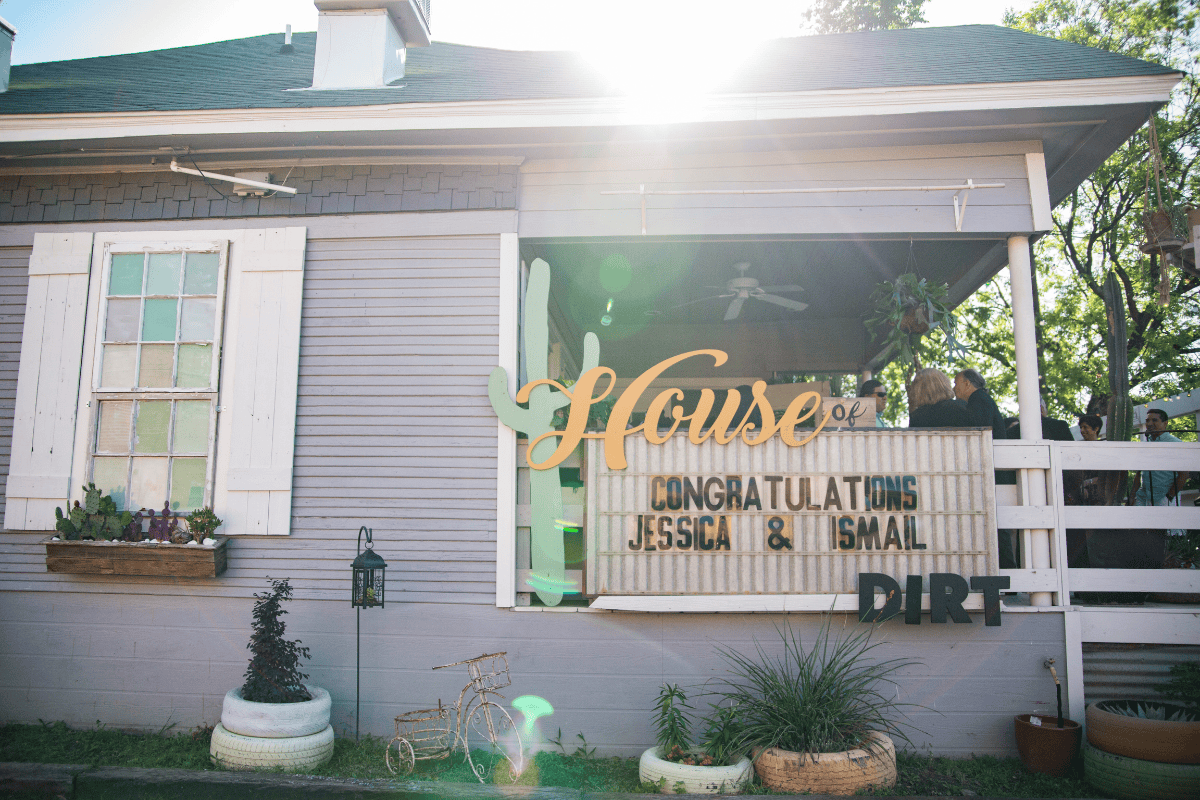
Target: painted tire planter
830	773
1144	739
292	754
696	779
1136	779
1047	748
276	720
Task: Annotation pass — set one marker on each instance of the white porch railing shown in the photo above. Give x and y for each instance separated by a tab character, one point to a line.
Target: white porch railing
1045	461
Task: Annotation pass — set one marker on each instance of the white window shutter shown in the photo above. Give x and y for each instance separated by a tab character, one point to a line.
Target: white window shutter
260	364
39	475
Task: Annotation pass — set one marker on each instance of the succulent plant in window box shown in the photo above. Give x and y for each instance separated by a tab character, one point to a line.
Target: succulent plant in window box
96	518
202	523
908	308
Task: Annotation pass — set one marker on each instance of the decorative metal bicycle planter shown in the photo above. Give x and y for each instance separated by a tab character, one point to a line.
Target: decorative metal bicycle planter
475	722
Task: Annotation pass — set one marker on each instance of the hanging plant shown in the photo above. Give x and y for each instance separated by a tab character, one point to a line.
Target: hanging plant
1166	225
907	309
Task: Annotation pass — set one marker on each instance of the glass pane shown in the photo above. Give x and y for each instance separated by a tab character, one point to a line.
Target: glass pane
119	361
200	275
164	273
111	476
198	315
157	362
187	483
149	483
122	322
195	366
113	427
126	274
191	426
159	324
153	418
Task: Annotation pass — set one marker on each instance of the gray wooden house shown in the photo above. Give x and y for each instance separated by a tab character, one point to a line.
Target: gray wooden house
311	362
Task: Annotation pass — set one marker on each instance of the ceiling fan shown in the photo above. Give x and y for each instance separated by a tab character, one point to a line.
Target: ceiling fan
742	288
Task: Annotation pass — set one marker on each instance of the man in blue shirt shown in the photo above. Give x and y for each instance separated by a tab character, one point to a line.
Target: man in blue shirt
1157	487
876	390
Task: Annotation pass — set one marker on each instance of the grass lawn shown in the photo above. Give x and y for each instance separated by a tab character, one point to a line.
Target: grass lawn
55	743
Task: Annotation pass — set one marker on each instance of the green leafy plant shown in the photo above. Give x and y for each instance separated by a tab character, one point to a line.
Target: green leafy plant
672	720
1163	712
1184	686
274	674
907	309
820	699
96	518
202	523
719	738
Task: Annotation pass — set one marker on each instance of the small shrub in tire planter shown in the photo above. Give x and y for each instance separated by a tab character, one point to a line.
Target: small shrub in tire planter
274	720
716	767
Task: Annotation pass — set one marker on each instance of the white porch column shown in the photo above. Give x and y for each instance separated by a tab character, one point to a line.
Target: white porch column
1020	273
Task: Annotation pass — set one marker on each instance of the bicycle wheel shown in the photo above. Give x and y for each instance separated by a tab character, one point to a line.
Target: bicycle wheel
491	740
400	756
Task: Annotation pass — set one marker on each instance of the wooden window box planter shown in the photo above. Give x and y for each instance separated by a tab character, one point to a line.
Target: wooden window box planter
137	558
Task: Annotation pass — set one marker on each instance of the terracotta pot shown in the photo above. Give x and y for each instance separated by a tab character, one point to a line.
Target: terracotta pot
1145	739
1047	748
829	773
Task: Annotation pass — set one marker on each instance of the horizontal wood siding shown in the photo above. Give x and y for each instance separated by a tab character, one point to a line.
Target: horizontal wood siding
563	197
14	283
393	429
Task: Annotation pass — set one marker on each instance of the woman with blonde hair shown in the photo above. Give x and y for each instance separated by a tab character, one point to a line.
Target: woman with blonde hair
931	403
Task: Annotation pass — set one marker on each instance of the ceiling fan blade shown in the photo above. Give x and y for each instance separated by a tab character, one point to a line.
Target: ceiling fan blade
735	308
790	287
701	300
795	305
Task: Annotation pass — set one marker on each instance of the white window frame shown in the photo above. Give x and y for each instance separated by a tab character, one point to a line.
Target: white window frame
98	393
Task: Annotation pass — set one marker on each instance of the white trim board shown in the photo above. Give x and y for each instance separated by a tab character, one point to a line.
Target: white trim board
589	112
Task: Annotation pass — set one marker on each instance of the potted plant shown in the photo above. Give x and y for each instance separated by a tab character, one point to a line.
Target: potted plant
716	767
94	538
201	524
274	720
1047	744
907	309
817	719
1139	749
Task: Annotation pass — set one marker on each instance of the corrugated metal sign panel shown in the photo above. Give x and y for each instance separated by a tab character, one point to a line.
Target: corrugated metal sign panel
939	517
1131	671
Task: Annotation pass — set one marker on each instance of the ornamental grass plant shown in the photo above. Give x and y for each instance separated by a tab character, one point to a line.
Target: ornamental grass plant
821	699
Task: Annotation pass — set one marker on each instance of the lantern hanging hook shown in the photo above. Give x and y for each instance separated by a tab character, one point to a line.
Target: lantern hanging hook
361	531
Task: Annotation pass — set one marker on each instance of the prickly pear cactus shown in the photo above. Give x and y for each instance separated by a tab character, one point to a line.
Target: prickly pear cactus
96	518
545	488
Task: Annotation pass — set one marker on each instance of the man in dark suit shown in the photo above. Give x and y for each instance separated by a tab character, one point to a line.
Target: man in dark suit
971	388
1054	429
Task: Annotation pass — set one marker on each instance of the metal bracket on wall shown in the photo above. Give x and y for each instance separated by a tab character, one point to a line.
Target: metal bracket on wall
959	210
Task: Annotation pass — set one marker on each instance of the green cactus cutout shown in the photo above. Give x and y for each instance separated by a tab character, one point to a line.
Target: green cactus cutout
546	552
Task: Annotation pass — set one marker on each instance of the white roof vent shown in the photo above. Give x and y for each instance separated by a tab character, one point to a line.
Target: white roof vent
361	44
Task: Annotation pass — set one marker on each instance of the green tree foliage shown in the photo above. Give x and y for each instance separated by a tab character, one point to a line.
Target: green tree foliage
843	16
1098	229
274	674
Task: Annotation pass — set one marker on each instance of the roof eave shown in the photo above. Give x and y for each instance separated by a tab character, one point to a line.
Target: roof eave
592	112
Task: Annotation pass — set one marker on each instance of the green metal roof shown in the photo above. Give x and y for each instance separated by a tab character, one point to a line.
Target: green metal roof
252	73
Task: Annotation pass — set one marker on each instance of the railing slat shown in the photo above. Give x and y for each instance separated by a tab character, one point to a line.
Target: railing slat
1023	517
1135	580
1153	517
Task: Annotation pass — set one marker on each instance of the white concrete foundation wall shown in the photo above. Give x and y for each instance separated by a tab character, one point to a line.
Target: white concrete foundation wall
148	661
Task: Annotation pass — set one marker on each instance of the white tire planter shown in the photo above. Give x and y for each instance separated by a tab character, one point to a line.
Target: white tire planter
276	720
292	754
696	780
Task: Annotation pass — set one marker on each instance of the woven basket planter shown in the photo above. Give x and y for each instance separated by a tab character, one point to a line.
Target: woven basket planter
829	773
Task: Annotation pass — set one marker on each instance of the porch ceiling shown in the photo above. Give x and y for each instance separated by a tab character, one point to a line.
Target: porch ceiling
663	296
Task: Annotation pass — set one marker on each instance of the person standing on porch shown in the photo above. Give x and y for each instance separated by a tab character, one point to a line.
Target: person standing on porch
1156	487
971	388
876	390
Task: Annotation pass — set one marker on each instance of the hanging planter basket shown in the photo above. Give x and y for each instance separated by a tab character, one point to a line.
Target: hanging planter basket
915	321
1166	230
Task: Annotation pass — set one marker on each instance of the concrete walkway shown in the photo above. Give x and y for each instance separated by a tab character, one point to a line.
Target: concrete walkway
70	781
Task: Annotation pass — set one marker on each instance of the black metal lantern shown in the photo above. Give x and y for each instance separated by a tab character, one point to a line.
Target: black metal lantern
366	586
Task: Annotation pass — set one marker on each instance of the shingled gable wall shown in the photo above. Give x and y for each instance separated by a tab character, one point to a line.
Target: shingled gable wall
320	190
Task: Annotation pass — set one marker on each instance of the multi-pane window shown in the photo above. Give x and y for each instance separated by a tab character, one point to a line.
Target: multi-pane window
156	378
